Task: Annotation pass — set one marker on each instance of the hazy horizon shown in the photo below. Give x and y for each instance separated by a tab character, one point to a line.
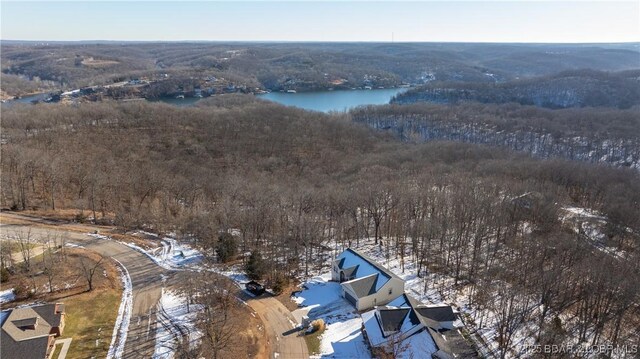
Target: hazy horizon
517	22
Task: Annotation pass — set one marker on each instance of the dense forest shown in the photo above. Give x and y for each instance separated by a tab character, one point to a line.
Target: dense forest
602	134
296	185
585	88
297	66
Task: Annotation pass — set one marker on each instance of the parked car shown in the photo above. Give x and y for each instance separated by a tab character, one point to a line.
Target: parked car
254	287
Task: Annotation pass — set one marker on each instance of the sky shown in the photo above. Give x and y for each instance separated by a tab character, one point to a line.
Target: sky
303	20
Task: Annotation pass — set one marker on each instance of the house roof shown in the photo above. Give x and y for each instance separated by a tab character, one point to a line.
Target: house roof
364	286
391	319
26	331
351	255
17	325
350	272
50	313
403	314
355	264
439	340
441	313
33	348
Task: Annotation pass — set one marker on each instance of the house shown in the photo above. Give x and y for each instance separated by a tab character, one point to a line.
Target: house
416	326
31	332
365	283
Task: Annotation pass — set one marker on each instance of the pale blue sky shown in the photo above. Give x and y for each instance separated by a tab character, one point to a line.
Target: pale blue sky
455	21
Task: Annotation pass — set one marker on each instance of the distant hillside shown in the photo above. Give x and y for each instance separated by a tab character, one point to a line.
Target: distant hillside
583	88
302	66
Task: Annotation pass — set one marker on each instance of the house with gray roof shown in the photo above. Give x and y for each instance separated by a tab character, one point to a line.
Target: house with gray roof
404	320
365	283
30	332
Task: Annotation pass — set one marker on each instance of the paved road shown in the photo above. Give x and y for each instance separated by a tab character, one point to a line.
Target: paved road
145	276
279	325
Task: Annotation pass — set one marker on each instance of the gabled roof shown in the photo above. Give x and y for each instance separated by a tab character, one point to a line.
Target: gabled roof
425	320
16	325
410	309
439	340
26	331
355	264
364	286
351	253
50	313
441	313
391	319
350	272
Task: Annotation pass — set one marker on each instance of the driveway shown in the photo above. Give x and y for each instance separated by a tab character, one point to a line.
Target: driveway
279	325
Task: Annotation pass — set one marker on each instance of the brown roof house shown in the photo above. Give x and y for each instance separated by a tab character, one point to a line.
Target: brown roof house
31	332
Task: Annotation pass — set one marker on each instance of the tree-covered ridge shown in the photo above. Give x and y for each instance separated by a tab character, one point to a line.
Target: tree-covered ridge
593	135
292	185
300	66
584	88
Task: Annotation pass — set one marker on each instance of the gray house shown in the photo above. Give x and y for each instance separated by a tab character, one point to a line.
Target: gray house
365	283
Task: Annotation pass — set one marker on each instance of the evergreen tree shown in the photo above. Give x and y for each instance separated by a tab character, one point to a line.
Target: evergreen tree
227	248
256	266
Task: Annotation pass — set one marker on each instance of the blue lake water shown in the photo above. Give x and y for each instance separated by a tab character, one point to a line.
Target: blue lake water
323	101
326	101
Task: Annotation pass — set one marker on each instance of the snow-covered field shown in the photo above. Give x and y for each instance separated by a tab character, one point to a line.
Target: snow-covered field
174	321
342	337
7	296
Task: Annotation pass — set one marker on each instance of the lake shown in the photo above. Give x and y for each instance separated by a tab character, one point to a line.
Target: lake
26	99
326	101
323	101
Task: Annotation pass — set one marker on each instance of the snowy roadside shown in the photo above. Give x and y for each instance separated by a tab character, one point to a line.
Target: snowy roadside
175	321
171	255
120	330
7	296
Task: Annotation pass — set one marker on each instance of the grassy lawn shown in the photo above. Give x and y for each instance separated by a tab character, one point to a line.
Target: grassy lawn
90	320
313	341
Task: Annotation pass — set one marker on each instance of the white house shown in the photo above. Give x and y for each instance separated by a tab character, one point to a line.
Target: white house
365	283
404	320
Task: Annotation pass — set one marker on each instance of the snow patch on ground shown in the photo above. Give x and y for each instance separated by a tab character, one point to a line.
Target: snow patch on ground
119	337
342	337
73	245
7	296
174	322
172	255
592	225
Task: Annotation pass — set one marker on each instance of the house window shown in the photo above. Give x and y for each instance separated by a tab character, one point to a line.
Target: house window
390	291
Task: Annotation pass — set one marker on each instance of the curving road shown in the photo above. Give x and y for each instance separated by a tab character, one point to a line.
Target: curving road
145	274
147	280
